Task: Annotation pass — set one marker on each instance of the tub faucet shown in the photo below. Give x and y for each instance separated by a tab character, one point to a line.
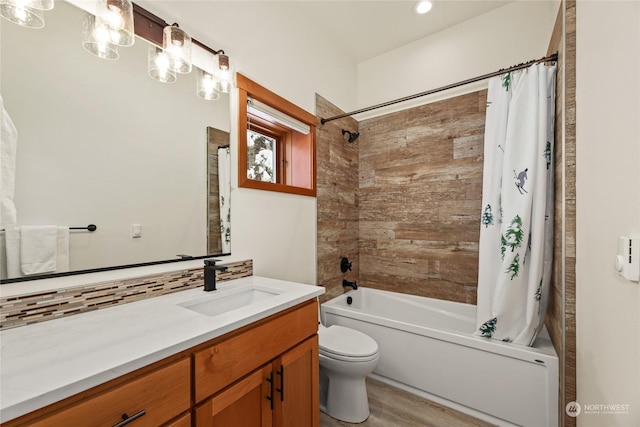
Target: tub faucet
346	283
210	269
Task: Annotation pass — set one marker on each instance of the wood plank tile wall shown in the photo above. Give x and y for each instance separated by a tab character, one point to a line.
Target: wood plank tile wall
337	199
216	138
420	199
563	333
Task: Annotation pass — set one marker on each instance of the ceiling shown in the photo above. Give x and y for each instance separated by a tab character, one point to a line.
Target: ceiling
362	29
366	29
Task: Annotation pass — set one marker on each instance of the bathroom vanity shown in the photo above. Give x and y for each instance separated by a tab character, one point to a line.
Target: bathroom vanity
246	354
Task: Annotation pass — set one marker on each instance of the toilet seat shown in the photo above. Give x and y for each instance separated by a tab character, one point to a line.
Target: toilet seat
347	344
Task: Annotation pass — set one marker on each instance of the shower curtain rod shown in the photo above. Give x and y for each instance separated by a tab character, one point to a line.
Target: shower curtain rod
550	58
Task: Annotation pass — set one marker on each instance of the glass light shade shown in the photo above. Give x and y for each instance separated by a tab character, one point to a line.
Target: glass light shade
206	86
161	65
39	4
223	75
117	16
178	44
22	13
96	38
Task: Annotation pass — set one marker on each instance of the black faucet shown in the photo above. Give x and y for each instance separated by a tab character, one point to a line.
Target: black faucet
346	283
210	268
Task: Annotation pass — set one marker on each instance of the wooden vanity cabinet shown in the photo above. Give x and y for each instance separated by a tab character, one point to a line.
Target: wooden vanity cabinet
264	374
258	378
280	394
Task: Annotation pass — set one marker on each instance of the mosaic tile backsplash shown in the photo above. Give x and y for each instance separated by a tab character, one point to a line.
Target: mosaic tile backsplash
31	308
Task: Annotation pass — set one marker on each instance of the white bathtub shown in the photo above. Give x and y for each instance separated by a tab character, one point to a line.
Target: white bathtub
427	347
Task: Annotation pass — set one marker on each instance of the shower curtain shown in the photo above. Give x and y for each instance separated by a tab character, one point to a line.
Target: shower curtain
224	184
516	230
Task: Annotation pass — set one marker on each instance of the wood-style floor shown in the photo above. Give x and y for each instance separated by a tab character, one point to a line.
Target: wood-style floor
392	407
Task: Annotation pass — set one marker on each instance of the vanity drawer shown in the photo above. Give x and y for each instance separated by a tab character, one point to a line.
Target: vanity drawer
221	364
162	394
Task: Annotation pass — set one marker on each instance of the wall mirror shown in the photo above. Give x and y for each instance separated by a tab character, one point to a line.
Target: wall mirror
100	142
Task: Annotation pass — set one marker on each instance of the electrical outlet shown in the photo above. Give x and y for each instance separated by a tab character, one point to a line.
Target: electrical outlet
627	262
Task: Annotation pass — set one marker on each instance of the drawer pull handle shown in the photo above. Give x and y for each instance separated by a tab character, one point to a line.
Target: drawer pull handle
281	389
127	419
270	397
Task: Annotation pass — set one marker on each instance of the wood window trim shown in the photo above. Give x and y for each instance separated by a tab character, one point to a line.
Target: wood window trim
248	88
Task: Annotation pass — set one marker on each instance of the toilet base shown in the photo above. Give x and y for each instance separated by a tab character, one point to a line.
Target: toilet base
347	400
343	389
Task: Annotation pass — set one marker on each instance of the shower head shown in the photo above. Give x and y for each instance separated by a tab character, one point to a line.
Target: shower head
350	136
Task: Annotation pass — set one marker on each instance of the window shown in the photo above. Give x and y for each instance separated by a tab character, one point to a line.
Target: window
276	147
261	156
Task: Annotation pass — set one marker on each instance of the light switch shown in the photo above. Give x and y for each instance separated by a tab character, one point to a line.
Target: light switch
136	230
627	262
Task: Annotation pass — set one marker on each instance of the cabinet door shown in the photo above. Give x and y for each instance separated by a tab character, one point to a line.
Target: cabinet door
297	393
245	403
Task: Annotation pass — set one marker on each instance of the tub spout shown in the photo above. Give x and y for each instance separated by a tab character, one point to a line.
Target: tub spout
346	283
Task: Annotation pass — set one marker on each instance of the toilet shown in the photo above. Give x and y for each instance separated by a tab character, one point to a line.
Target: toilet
347	356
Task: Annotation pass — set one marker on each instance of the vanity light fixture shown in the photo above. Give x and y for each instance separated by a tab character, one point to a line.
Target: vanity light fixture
110	27
423	7
206	86
215	74
160	64
117	17
177	43
27	13
96	38
223	73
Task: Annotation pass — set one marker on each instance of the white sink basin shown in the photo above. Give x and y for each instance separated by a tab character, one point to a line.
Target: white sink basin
228	300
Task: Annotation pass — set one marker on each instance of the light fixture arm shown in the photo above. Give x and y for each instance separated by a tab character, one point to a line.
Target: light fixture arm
150	27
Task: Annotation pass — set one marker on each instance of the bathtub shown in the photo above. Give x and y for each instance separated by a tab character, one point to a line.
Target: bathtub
427	347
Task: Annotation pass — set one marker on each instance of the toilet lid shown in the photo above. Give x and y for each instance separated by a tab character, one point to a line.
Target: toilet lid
346	342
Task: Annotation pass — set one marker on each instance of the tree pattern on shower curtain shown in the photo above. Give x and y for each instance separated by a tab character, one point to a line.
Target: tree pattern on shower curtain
516	253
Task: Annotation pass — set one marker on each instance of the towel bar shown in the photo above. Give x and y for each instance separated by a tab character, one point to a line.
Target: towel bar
90	227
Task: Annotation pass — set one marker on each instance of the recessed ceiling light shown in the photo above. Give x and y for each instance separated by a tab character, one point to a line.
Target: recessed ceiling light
423	7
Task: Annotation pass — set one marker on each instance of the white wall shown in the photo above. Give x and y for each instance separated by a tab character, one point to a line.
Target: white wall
608	206
277	231
515	33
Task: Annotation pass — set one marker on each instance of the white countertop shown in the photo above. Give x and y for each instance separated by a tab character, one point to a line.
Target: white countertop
45	362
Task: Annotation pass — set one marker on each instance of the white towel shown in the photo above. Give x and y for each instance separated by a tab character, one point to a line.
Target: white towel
8	143
38	249
63	250
12	251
